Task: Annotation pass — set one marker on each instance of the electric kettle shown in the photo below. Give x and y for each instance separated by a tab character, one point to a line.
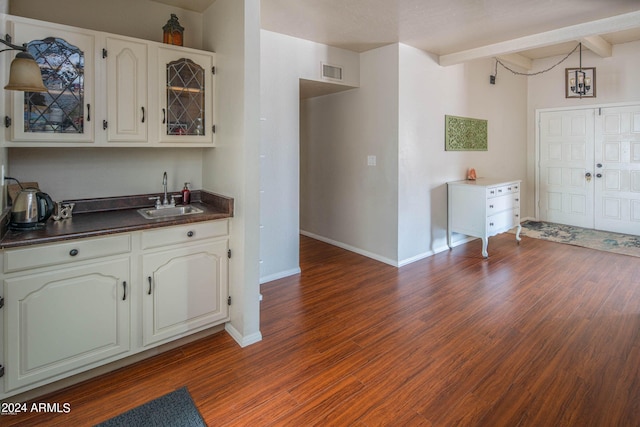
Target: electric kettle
31	209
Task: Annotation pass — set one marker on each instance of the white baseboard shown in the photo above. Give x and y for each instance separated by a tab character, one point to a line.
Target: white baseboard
415	258
279	275
351	248
243	341
423	255
462	241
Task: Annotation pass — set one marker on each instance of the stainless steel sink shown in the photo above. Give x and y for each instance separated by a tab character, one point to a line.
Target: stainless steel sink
155	213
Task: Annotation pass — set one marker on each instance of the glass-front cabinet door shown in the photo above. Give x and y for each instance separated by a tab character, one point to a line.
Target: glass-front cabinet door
186	94
63	113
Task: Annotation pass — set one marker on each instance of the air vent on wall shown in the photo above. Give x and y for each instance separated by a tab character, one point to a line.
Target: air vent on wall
331	72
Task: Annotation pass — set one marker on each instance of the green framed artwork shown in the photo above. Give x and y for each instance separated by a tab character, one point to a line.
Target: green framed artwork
465	134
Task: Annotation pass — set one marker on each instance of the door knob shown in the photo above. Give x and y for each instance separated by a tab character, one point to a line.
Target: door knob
598	175
599	165
588	176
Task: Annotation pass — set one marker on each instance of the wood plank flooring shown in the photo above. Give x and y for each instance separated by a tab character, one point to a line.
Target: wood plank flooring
539	334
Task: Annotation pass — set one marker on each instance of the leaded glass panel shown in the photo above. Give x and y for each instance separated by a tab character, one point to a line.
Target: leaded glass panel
61	108
185	98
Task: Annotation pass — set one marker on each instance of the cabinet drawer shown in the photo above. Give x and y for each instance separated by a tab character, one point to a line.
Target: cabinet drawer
501	203
184	233
502	221
503	189
62	253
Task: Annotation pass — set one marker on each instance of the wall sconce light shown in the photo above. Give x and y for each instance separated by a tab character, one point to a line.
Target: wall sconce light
24	74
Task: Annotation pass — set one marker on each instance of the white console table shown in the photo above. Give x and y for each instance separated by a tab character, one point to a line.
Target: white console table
483	208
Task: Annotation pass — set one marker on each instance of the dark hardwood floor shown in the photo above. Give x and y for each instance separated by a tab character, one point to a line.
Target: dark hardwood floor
539	334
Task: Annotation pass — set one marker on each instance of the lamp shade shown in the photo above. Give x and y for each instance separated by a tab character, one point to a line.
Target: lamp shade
25	74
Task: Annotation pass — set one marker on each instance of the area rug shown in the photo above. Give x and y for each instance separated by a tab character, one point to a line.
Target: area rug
175	409
601	240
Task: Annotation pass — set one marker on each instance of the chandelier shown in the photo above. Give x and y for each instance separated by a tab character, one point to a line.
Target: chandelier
579	83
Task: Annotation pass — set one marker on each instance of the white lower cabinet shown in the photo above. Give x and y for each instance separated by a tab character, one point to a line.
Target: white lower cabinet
59	321
186	290
70	306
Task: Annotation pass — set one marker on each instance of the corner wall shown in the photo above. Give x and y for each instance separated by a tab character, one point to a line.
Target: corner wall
232	168
395	211
284	61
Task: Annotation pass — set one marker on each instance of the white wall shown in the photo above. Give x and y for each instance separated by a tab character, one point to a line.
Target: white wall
616	82
233	32
395	211
79	173
428	92
344	200
284	61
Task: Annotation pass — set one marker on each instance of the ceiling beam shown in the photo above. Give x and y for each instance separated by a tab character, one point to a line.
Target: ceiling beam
582	31
517	60
597	45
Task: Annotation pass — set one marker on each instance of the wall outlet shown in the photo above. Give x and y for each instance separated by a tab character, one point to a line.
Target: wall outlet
371	160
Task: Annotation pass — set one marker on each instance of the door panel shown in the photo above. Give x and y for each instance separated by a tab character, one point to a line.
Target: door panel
566	157
617	170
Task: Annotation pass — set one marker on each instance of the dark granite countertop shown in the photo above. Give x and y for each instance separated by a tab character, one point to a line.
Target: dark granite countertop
99	217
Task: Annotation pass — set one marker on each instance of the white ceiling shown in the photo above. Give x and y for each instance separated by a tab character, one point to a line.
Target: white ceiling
456	30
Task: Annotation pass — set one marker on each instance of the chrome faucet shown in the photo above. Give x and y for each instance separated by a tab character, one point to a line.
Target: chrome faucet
165	201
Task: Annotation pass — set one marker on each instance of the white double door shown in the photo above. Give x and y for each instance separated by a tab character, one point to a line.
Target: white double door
589	168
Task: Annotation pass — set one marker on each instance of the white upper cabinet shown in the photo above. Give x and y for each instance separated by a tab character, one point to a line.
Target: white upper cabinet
185	95
127	93
110	90
66	112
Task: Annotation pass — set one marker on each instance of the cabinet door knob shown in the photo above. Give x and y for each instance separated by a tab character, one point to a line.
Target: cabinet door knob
142	114
124	291
490	206
73	252
164	116
149	291
190	234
